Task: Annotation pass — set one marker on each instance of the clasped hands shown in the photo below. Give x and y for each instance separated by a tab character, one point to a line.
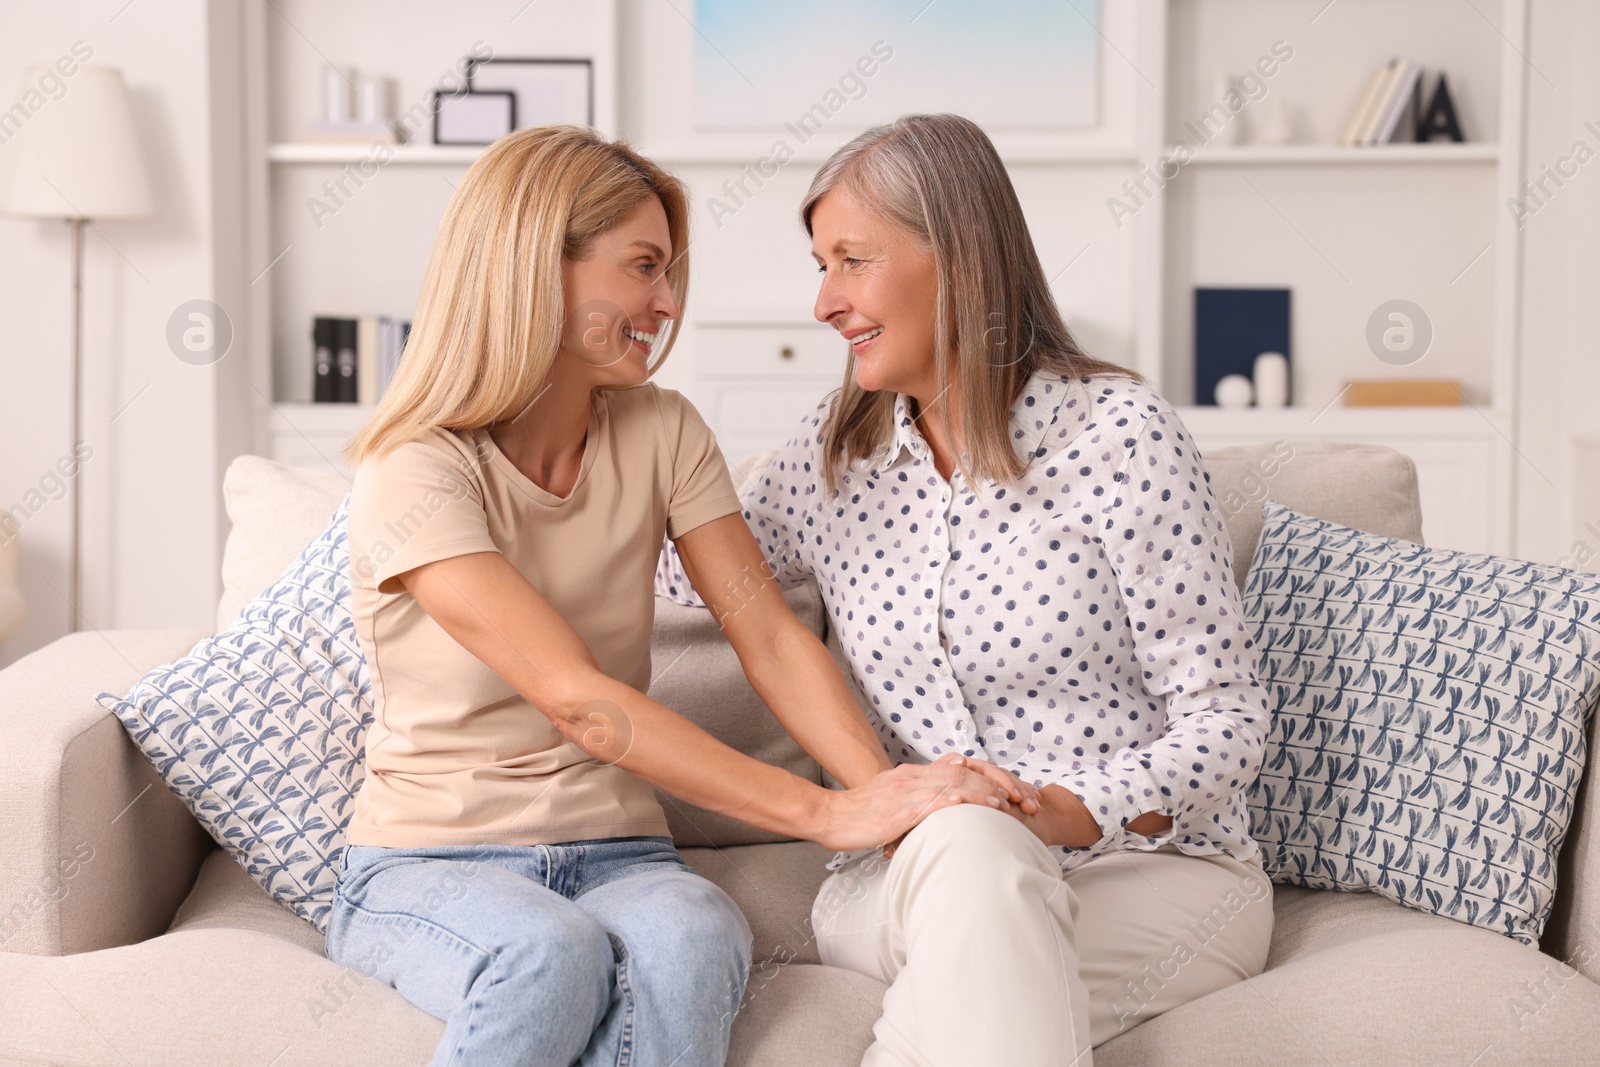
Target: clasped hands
1055	815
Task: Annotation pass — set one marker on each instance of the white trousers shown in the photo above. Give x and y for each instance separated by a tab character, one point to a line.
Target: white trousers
994	956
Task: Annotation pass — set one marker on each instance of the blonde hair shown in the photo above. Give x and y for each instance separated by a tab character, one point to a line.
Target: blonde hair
939	178
489	319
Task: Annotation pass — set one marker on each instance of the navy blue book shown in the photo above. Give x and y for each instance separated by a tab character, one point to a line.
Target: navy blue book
1231	328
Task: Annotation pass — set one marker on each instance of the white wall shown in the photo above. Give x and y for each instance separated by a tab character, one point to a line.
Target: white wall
152	521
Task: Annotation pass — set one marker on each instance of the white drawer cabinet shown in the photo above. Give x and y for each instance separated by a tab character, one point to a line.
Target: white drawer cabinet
754	382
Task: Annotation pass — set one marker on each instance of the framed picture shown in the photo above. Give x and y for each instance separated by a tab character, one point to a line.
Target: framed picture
1027	64
472	117
740	82
547	90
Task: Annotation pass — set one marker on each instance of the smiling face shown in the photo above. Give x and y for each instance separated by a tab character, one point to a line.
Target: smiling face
618	299
879	287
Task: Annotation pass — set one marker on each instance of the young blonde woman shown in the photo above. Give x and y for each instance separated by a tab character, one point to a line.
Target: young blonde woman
1020	550
508	867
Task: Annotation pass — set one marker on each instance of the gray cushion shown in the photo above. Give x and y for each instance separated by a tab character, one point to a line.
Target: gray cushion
1353	978
774	886
1369	487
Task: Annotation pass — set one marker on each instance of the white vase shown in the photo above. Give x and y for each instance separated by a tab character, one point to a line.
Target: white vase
1271	377
1218	86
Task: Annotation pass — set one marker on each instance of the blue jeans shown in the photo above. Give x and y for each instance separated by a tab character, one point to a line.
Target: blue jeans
593	952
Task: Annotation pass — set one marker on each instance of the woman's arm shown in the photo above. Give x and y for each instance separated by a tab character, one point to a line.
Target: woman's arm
789	668
482	601
1165	539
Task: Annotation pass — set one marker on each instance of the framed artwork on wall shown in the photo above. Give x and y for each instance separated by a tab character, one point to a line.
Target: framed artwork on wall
862	62
556	90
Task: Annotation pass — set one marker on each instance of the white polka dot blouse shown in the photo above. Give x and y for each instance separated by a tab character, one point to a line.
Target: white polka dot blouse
1080	626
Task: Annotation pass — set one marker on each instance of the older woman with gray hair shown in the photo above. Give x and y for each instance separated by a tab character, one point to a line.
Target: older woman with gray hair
1020	551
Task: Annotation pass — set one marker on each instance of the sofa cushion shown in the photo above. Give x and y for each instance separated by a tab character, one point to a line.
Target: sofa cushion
773	884
260	729
1353	978
1431	710
1369	487
275	509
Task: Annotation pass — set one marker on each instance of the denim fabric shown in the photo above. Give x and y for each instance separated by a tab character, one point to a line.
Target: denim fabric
592	952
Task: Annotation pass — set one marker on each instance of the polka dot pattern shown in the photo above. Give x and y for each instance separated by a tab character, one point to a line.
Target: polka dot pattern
1079	627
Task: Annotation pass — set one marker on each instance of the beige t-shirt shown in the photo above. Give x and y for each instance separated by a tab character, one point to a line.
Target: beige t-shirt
455	755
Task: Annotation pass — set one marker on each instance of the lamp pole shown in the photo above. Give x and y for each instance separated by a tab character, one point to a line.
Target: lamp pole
74	580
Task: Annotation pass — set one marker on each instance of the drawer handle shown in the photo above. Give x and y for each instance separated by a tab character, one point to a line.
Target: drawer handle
786	352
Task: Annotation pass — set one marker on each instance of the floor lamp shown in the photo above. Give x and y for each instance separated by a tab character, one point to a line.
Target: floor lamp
75	156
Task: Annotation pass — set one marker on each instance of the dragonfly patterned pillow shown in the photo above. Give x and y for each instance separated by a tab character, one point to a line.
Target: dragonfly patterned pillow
260	729
1431	719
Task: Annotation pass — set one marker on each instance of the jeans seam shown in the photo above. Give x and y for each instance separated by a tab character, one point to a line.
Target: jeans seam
625	1030
472	1004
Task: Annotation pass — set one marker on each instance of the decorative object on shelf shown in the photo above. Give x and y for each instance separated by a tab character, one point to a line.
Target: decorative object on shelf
1271	379
1440	118
1234	391
1274	122
335	95
77	159
547	90
353	360
368	123
1402	392
1231	328
1219	87
472	117
1389	108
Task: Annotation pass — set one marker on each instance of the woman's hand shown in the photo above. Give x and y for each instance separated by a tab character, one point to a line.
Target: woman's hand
1018	792
1019	795
888	805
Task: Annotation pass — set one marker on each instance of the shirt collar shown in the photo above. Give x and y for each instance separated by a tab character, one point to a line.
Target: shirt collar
1032	415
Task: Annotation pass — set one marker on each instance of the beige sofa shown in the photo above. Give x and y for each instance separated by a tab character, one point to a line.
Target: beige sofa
127	936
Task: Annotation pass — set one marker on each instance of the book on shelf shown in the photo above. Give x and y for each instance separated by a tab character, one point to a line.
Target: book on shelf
1401	101
1392	92
353	360
1357	121
1402	392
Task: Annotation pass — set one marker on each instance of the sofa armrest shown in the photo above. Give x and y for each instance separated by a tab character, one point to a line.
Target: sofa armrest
97	852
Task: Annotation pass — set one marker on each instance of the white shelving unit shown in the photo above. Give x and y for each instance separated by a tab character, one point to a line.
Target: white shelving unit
1344	228
364	249
1308	217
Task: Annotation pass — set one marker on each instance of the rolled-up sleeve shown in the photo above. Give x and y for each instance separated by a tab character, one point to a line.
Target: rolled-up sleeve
778	506
1165	538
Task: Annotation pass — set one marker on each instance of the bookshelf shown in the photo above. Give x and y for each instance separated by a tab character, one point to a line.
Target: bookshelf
1345	228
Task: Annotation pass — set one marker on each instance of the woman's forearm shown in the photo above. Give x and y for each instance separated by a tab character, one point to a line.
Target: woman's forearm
615	723
800	682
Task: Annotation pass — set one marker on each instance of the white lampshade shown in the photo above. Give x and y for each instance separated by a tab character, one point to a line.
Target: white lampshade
77	155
